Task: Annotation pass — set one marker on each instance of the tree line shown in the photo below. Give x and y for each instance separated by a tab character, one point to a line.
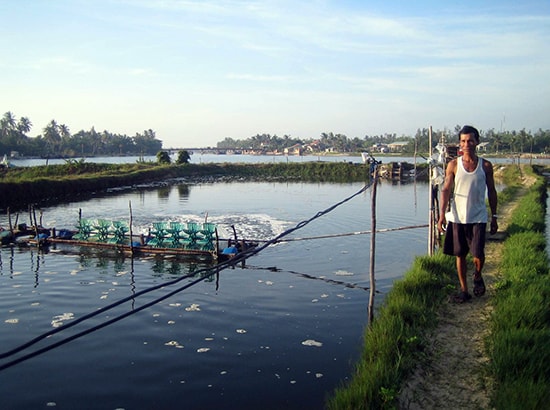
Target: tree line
500	142
56	140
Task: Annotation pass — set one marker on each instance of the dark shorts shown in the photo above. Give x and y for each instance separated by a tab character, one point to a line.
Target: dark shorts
463	238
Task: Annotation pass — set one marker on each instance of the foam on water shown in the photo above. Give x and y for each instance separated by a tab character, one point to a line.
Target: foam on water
313	343
248	226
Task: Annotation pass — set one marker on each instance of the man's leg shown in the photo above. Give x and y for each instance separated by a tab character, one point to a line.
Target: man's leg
461	267
478	251
479	283
478	265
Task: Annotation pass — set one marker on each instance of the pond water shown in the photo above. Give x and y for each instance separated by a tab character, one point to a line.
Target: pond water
281	332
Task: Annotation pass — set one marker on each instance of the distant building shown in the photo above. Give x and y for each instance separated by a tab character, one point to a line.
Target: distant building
483	146
296	149
398	146
314	146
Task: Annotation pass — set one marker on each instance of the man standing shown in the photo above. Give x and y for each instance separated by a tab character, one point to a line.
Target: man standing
467	178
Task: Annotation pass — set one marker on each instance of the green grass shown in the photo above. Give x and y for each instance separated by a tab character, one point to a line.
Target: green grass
21	186
519	342
398	336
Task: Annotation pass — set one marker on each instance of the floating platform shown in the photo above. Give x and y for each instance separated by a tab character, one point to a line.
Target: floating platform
189	240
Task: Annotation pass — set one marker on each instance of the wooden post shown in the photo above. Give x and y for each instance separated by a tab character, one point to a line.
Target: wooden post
373	244
430	198
35	223
9	221
415	152
235	235
130	229
217	242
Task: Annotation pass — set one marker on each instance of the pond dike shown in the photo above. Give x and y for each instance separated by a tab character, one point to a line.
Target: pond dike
422	352
44	185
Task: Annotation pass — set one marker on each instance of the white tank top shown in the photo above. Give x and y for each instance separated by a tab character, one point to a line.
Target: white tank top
468	201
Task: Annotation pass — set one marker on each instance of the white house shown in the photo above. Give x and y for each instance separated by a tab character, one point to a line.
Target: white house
397	146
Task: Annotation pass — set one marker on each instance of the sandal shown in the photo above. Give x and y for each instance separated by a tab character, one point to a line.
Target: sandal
461	297
479	286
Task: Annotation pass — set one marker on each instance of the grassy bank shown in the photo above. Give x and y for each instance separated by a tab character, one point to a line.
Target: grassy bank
519	343
397	338
22	186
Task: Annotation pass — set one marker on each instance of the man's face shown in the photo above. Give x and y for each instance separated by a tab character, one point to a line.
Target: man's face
468	143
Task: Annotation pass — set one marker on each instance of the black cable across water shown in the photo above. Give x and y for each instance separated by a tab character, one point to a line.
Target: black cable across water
208	273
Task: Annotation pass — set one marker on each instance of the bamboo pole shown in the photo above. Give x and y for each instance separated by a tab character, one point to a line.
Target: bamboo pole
373	245
415	152
415	170
430	198
35	223
130	228
9	221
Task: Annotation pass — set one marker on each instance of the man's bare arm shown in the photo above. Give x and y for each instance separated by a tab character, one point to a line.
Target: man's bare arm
446	193
491	194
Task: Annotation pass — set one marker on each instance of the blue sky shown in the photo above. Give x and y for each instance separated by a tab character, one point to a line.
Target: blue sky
199	71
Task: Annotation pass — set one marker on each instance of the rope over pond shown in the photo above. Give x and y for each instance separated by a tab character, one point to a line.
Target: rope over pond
337	235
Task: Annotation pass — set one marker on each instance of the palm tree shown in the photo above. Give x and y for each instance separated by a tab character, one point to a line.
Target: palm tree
95	139
7	123
51	136
64	131
9	119
497	141
523	139
65	139
24	125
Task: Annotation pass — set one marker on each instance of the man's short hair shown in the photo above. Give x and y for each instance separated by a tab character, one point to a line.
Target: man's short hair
468	129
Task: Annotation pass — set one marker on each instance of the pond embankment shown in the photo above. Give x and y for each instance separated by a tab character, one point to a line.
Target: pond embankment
421	352
57	183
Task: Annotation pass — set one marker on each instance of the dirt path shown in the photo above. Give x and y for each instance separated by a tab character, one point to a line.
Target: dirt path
455	377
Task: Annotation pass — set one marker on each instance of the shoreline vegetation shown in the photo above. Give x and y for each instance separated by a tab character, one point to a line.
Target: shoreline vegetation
78	179
400	338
